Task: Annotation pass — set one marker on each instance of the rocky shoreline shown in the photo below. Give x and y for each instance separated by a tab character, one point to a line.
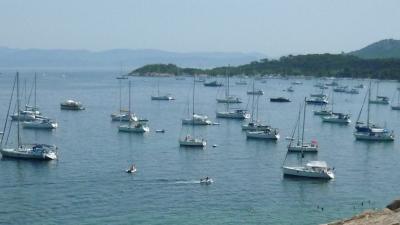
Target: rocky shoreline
388	216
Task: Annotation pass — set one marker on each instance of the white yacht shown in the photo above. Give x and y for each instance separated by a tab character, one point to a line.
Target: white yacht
235	114
190	141
134	127
197	120
269	134
313	169
40	124
337	118
24	115
380	100
71	105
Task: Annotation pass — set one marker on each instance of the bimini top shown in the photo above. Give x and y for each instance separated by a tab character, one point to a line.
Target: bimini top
319	164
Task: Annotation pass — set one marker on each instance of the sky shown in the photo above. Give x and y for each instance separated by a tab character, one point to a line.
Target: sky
273	28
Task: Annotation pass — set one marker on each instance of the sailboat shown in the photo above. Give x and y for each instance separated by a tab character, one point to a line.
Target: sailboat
40	122
257	129
397	107
340	118
30	112
255	91
228	98
189	140
133	126
381	100
166	97
27	151
123	115
300	145
369	131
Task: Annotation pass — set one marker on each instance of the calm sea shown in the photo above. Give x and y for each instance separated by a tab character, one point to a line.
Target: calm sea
88	185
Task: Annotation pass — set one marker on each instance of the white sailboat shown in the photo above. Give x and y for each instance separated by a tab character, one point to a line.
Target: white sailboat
133	126
123	115
371	132
189	140
158	97
339	118
46	124
30	112
380	100
300	145
229	98
27	151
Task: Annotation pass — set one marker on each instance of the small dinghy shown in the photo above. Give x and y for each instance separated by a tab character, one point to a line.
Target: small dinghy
214	145
160	131
132	169
206	180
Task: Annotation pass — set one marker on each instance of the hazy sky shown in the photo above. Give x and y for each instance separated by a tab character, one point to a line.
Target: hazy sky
271	27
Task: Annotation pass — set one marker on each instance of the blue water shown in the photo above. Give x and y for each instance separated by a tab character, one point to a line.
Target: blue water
88	185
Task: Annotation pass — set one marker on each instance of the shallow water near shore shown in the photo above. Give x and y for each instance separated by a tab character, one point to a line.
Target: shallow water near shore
88	185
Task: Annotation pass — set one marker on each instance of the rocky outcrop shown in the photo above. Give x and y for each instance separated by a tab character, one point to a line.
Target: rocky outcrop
388	216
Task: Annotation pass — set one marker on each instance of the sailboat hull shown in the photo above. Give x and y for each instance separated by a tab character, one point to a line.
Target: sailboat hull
27	154
371	136
304	172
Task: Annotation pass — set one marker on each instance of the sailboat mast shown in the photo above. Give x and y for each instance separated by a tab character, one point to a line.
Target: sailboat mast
304	122
25	101
34	104
18	113
129	98
227	73
252	105
194	86
369	99
120	95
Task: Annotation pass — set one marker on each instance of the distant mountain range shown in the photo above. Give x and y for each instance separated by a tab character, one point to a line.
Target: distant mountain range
10	57
388	48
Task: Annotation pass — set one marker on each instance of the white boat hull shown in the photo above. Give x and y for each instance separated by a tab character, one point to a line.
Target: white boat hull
262	135
196	122
27	154
303	148
133	129
162	98
192	142
233	115
303	172
365	136
335	120
39	125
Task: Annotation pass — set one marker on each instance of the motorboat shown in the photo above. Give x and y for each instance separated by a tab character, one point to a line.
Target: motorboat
213	84
71	105
279	99
206	180
197	120
229	99
235	114
40	124
297	82
131	169
333	83
190	141
337	118
290	89
255	92
269	134
313	169
160	131
341	89
134	127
